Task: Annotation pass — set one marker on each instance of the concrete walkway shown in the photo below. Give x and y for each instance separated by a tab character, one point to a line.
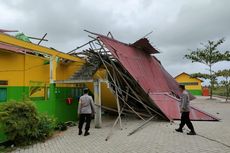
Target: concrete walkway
155	137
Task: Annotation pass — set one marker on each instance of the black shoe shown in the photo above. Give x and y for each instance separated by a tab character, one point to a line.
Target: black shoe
179	130
86	133
80	132
191	133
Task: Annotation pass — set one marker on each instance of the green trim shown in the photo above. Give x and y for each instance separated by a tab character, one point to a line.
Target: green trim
195	92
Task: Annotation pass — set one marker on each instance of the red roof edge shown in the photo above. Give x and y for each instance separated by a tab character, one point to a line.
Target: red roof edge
13	48
3	30
143	44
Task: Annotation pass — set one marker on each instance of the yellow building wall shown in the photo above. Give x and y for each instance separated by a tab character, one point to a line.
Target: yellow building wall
100	74
35	69
65	71
20	69
108	99
12	68
25	70
184	78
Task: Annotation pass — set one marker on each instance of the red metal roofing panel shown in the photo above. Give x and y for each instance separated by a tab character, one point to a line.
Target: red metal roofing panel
151	76
143	44
3	30
170	106
144	68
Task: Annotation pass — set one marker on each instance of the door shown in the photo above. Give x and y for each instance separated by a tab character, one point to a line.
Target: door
3	94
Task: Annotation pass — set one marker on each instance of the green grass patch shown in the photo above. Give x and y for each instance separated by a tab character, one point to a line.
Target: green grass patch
221	91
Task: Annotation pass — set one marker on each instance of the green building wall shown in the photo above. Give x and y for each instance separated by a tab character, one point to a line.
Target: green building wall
195	92
55	106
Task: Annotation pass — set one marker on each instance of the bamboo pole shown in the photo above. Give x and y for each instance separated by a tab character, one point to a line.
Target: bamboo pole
116	86
111	130
139	100
139	127
127	83
114	66
118	104
125	110
43	39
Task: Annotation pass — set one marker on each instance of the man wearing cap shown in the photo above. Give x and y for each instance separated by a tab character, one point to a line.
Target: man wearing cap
185	110
85	111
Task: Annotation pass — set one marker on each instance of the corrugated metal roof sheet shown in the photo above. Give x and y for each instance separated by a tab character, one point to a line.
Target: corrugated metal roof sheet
3	30
143	44
152	77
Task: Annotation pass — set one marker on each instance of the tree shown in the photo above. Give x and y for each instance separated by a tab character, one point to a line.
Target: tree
226	82
209	55
213	79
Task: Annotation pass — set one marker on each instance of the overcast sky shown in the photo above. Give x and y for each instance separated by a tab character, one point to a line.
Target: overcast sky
177	25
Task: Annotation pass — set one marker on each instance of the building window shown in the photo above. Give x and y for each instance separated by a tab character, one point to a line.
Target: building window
189	83
3	94
3	82
38	90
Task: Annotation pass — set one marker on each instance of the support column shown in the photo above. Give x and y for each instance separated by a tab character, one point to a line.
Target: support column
52	89
97	100
53	67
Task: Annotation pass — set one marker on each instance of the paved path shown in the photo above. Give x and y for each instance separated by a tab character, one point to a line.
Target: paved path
155	137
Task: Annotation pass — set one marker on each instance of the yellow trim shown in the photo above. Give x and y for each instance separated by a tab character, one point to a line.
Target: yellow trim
13	41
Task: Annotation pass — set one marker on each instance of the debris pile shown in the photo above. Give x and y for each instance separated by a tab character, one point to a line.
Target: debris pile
139	81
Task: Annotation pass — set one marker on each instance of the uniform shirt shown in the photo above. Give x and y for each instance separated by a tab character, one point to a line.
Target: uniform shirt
86	105
184	102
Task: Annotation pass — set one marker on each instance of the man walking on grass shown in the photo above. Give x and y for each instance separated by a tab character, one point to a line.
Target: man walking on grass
185	110
85	112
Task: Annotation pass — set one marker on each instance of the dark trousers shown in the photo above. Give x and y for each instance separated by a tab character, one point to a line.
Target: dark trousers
186	120
84	118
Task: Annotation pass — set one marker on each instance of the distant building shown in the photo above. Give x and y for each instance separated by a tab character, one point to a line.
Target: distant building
192	84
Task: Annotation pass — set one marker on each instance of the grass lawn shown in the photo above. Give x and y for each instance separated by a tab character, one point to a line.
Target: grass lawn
221	91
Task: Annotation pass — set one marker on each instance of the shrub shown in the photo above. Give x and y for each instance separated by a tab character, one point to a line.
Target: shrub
61	126
20	121
45	127
23	125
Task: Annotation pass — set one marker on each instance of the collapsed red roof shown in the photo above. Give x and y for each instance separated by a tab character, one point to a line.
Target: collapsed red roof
151	76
